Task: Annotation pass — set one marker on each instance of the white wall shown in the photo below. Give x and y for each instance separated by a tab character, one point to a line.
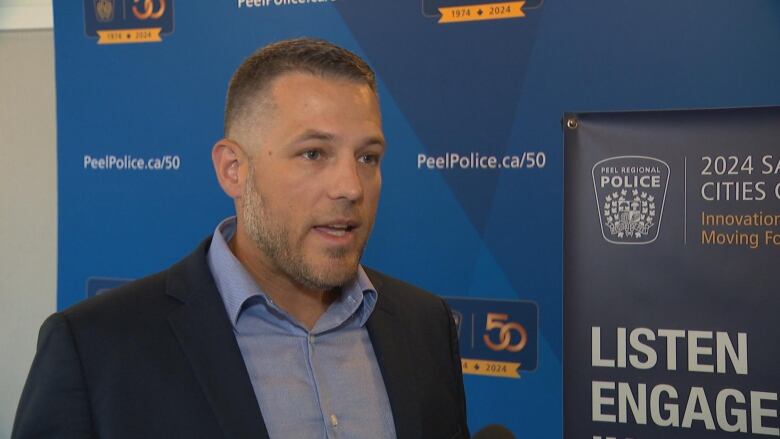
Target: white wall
28	198
25	14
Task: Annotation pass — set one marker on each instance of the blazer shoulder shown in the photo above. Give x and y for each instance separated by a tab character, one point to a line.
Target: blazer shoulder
128	298
403	294
149	296
386	282
134	311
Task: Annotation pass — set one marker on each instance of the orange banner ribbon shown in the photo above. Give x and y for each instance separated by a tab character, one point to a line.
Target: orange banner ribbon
488	11
492	368
128	36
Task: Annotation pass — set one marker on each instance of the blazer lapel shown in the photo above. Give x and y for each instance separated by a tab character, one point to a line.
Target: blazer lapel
388	336
206	336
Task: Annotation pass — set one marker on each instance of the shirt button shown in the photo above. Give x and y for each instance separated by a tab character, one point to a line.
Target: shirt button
311	338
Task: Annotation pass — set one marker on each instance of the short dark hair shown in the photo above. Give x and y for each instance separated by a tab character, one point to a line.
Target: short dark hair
307	55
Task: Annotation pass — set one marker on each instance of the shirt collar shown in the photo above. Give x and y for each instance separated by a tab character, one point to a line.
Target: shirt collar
236	285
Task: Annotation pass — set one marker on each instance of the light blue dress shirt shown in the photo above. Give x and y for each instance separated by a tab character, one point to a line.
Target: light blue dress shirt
323	383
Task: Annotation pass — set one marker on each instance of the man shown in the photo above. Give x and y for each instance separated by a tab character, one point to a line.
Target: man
271	328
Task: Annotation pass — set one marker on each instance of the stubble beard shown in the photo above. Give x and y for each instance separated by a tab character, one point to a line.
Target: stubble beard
274	239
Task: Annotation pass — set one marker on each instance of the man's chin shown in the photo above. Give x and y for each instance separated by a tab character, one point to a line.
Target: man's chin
331	275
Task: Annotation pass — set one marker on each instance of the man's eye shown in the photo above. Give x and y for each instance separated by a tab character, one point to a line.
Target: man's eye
369	159
312	154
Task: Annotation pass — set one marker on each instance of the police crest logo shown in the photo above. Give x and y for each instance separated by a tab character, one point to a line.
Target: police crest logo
458	318
104	10
630	195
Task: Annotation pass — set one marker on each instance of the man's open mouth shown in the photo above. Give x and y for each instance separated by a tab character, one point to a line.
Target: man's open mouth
336	229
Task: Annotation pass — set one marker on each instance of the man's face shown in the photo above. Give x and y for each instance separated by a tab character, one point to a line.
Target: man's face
313	184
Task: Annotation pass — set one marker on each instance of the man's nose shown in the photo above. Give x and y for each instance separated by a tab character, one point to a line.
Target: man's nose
345	182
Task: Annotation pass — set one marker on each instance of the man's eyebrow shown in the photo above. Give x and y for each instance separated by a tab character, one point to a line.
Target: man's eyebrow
375	140
312	134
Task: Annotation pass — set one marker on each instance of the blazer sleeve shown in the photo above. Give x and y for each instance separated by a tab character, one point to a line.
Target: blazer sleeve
54	402
458	369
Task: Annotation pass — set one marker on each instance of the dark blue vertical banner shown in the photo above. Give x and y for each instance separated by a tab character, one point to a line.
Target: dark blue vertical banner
672	237
471	94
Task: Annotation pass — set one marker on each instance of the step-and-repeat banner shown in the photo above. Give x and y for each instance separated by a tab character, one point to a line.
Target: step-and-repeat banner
472	94
672	242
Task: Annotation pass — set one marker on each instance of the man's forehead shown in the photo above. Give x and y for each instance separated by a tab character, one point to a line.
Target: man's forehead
299	94
292	94
308	77
266	96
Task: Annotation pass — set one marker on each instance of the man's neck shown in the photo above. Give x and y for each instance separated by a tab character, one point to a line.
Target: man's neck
304	304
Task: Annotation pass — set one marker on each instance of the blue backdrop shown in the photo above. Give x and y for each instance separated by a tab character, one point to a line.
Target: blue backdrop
496	87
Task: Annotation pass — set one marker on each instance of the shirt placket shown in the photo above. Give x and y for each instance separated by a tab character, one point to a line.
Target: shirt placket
329	419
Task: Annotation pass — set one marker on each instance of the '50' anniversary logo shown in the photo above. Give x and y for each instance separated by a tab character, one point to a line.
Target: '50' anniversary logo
505	333
148	10
497	337
125	21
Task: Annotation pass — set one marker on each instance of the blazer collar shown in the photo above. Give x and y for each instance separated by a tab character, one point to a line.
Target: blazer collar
204	332
388	337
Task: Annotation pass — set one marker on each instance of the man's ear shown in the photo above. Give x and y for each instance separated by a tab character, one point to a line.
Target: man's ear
229	159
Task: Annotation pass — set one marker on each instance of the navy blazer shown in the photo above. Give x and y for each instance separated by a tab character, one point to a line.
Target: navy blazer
157	358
